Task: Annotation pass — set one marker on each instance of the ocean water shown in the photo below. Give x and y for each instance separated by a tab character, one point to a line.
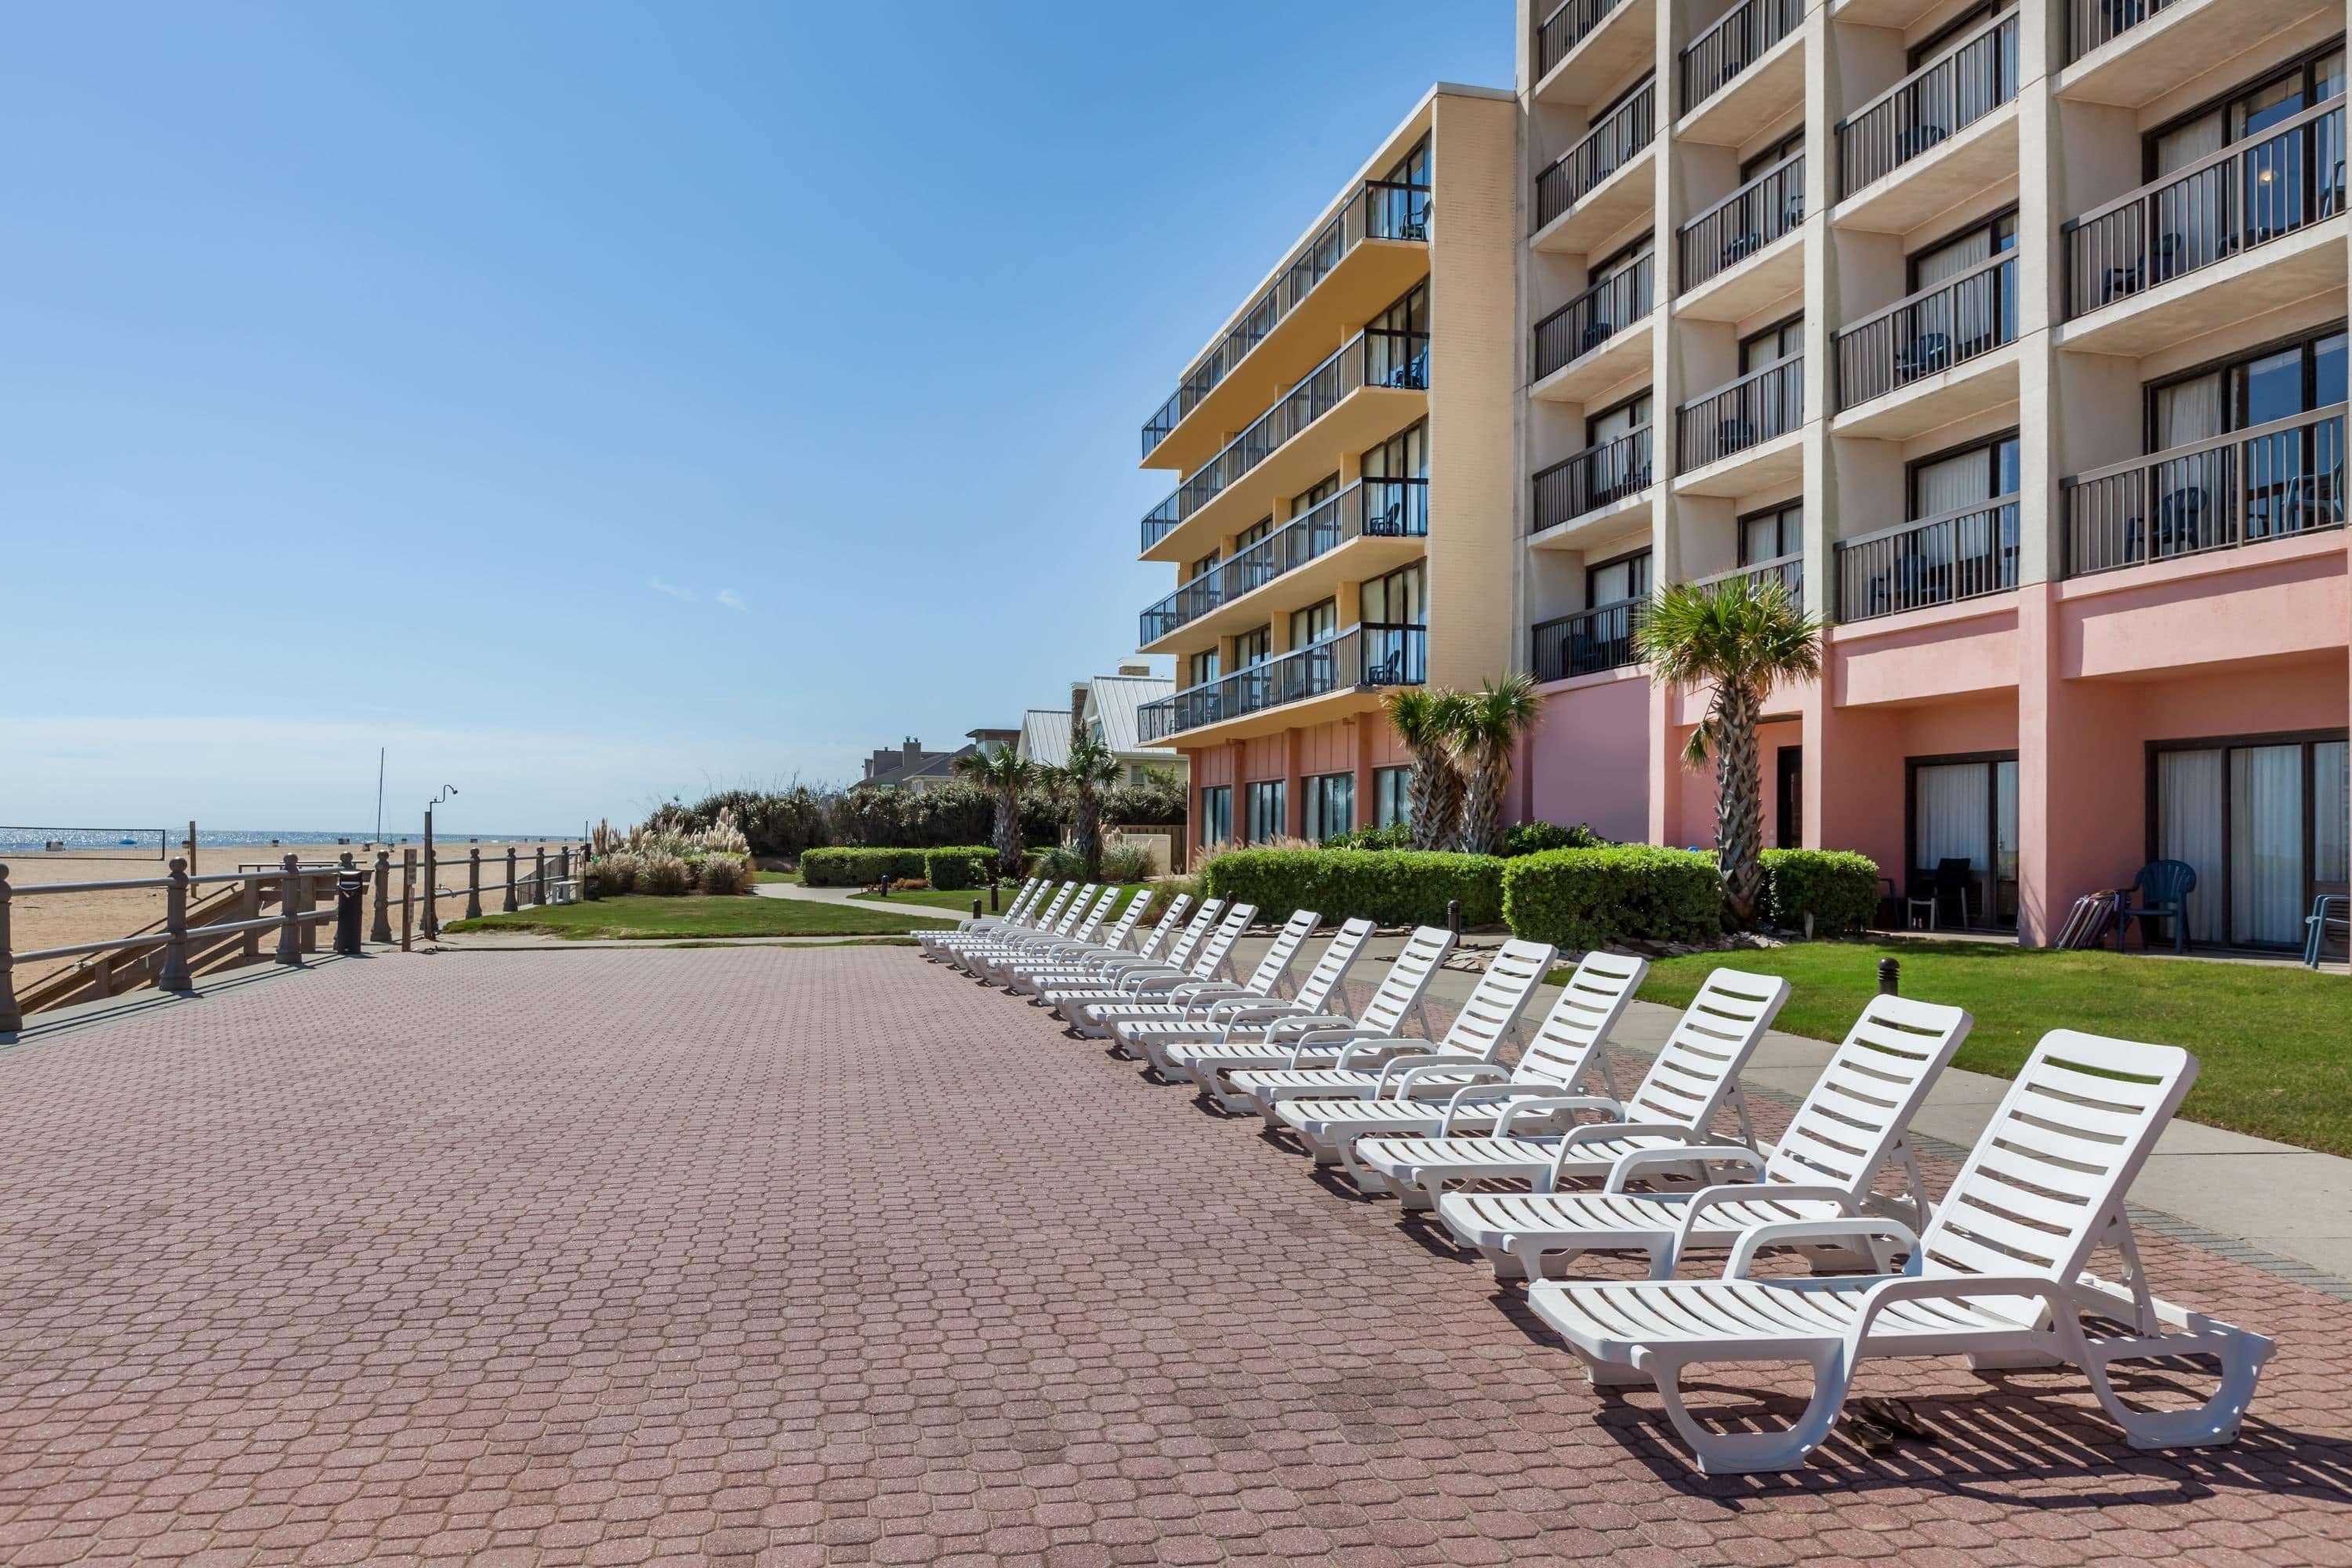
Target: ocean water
151	841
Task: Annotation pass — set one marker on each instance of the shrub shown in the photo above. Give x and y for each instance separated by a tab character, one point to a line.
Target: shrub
858	868
1584	898
1127	863
723	873
1534	837
1839	888
1057	864
664	874
616	873
966	867
1395	835
1394	887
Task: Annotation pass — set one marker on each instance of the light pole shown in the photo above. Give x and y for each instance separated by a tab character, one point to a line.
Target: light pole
432	889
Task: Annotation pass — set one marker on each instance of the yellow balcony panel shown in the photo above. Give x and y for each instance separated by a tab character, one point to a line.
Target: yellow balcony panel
1935	399
1359	559
1343	674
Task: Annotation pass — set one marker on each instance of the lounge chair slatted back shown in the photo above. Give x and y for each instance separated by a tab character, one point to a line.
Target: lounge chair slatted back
1283	953
1053	909
1493	1009
1578	1024
1400	993
1165	931
1204	921
1077	910
1317	992
1128	919
1861	1105
1700	1066
1091	926
2047	1177
1210	958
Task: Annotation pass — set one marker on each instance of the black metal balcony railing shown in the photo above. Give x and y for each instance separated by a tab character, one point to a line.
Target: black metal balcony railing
1379	509
1597	477
1962	554
2091	22
1378	209
1937	328
1607	147
1370	653
1375	358
1743	222
1592	318
2264	482
2258	190
1734	43
1933	104
1788	571
1590	641
1746	412
1565	28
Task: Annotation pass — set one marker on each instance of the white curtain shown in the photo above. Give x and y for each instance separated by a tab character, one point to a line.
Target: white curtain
2190	217
1955	483
2331	818
2188	410
2188	828
2004	796
1952	812
2266	844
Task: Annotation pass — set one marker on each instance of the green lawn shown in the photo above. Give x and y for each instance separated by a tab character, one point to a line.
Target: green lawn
2273	1040
639	916
776	876
960	900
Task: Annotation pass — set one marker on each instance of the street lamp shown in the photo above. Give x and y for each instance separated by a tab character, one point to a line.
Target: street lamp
432	886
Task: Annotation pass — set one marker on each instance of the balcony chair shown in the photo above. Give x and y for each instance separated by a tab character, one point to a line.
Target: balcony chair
2180	526
2330	921
1734	436
1929	352
1909	144
1951	879
1595	334
1740	246
1388	522
2161	892
1389	671
2166	259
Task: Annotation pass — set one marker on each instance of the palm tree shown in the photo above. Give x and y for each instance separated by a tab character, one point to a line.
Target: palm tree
1080	781
1426	721
1739	637
1487	724
1006	774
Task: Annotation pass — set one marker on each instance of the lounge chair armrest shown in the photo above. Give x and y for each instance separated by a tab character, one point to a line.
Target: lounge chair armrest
1382	1049
1912	1286
1641	1161
1238	1015
1596	1131
1547	1104
1302	1040
1403	1074
1781	1233
1471	1094
1749	1192
1201	991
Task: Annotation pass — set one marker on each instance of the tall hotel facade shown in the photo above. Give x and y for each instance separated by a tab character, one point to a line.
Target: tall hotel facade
2011	337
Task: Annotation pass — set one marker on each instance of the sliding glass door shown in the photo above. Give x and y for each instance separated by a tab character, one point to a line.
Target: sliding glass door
1965	809
2264	825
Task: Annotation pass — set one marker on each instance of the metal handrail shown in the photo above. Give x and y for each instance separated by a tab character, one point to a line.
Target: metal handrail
1930	560
1560	33
1765	209
1711	61
1597	477
1873	360
1872	142
1759	407
1589	641
1787	570
1383	507
1558	341
1367	654
2115	18
1611	145
2271	480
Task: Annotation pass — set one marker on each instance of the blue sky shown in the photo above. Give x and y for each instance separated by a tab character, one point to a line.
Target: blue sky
595	400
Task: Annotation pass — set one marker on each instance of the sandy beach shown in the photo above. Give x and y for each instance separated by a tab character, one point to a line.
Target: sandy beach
67	918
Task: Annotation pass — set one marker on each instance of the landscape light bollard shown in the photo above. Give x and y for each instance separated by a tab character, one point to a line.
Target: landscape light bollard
289	924
1890	978
975	908
539	875
382	930
473	884
1454	916
992	895
12	1018
349	894
509	906
175	976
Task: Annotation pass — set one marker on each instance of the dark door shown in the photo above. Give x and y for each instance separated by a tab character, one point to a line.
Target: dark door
1790	828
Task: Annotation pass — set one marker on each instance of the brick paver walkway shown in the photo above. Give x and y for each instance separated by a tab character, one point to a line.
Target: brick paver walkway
828	1256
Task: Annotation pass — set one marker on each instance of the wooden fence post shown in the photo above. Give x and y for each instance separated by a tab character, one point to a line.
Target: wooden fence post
289	937
11	1018
474	883
175	976
249	909
380	930
539	875
306	932
407	895
508	905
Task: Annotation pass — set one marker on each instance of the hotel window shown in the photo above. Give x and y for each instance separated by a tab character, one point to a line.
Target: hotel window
1965	477
1769	535
2246	114
1773	345
1396	343
1268	816
1395	617
1626	577
2262	822
1936	43
1253	647
1392	797
2284	484
1216	815
1787	147
1975	316
1315	623
1203	566
1396	485
1252	535
1402	214
1200	669
1623	471
1965	809
1315	495
1331	805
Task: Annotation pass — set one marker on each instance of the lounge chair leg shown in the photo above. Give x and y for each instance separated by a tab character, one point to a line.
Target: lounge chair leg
1369	1182
1747	1453
2215	1421
1416	1199
1609	1375
1508	1264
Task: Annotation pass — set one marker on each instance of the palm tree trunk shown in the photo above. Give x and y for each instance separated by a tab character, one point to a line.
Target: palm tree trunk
1490	782
1436	799
1740	803
1008	833
1086	830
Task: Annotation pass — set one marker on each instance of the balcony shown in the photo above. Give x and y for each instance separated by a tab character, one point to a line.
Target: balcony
2133	266
1367	657
1934	138
1786	570
1593	482
1394	509
2129	52
1962	554
1373	249
1736	79
1588	642
1915	358
2271	481
1585	344
1595	188
1383	367
1759	414
1733	236
1608	41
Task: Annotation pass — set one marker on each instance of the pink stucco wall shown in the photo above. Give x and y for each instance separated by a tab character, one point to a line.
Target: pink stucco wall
1589	761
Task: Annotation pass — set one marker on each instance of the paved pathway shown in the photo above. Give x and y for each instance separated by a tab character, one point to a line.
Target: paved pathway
829	1256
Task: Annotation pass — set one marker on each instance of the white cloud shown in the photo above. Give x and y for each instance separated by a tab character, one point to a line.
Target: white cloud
672	589
731	599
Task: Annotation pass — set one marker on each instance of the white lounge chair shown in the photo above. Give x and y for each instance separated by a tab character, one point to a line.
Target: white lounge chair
1179	955
1117	940
1039	976
1125	984
1572	1040
1044	909
1852	1122
1023	899
995	964
1369	1068
1061	917
1315	1040
1195	997
1696	1074
1998	1278
1242	1017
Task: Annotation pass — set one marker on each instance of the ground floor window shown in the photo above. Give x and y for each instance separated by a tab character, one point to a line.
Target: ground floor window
2262	821
1331	805
1964	836
1217	814
1392	797
1268	811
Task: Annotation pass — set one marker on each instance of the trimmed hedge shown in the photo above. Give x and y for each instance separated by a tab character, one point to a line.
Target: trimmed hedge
963	867
1534	837
1393	887
1583	899
1838	886
859	868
